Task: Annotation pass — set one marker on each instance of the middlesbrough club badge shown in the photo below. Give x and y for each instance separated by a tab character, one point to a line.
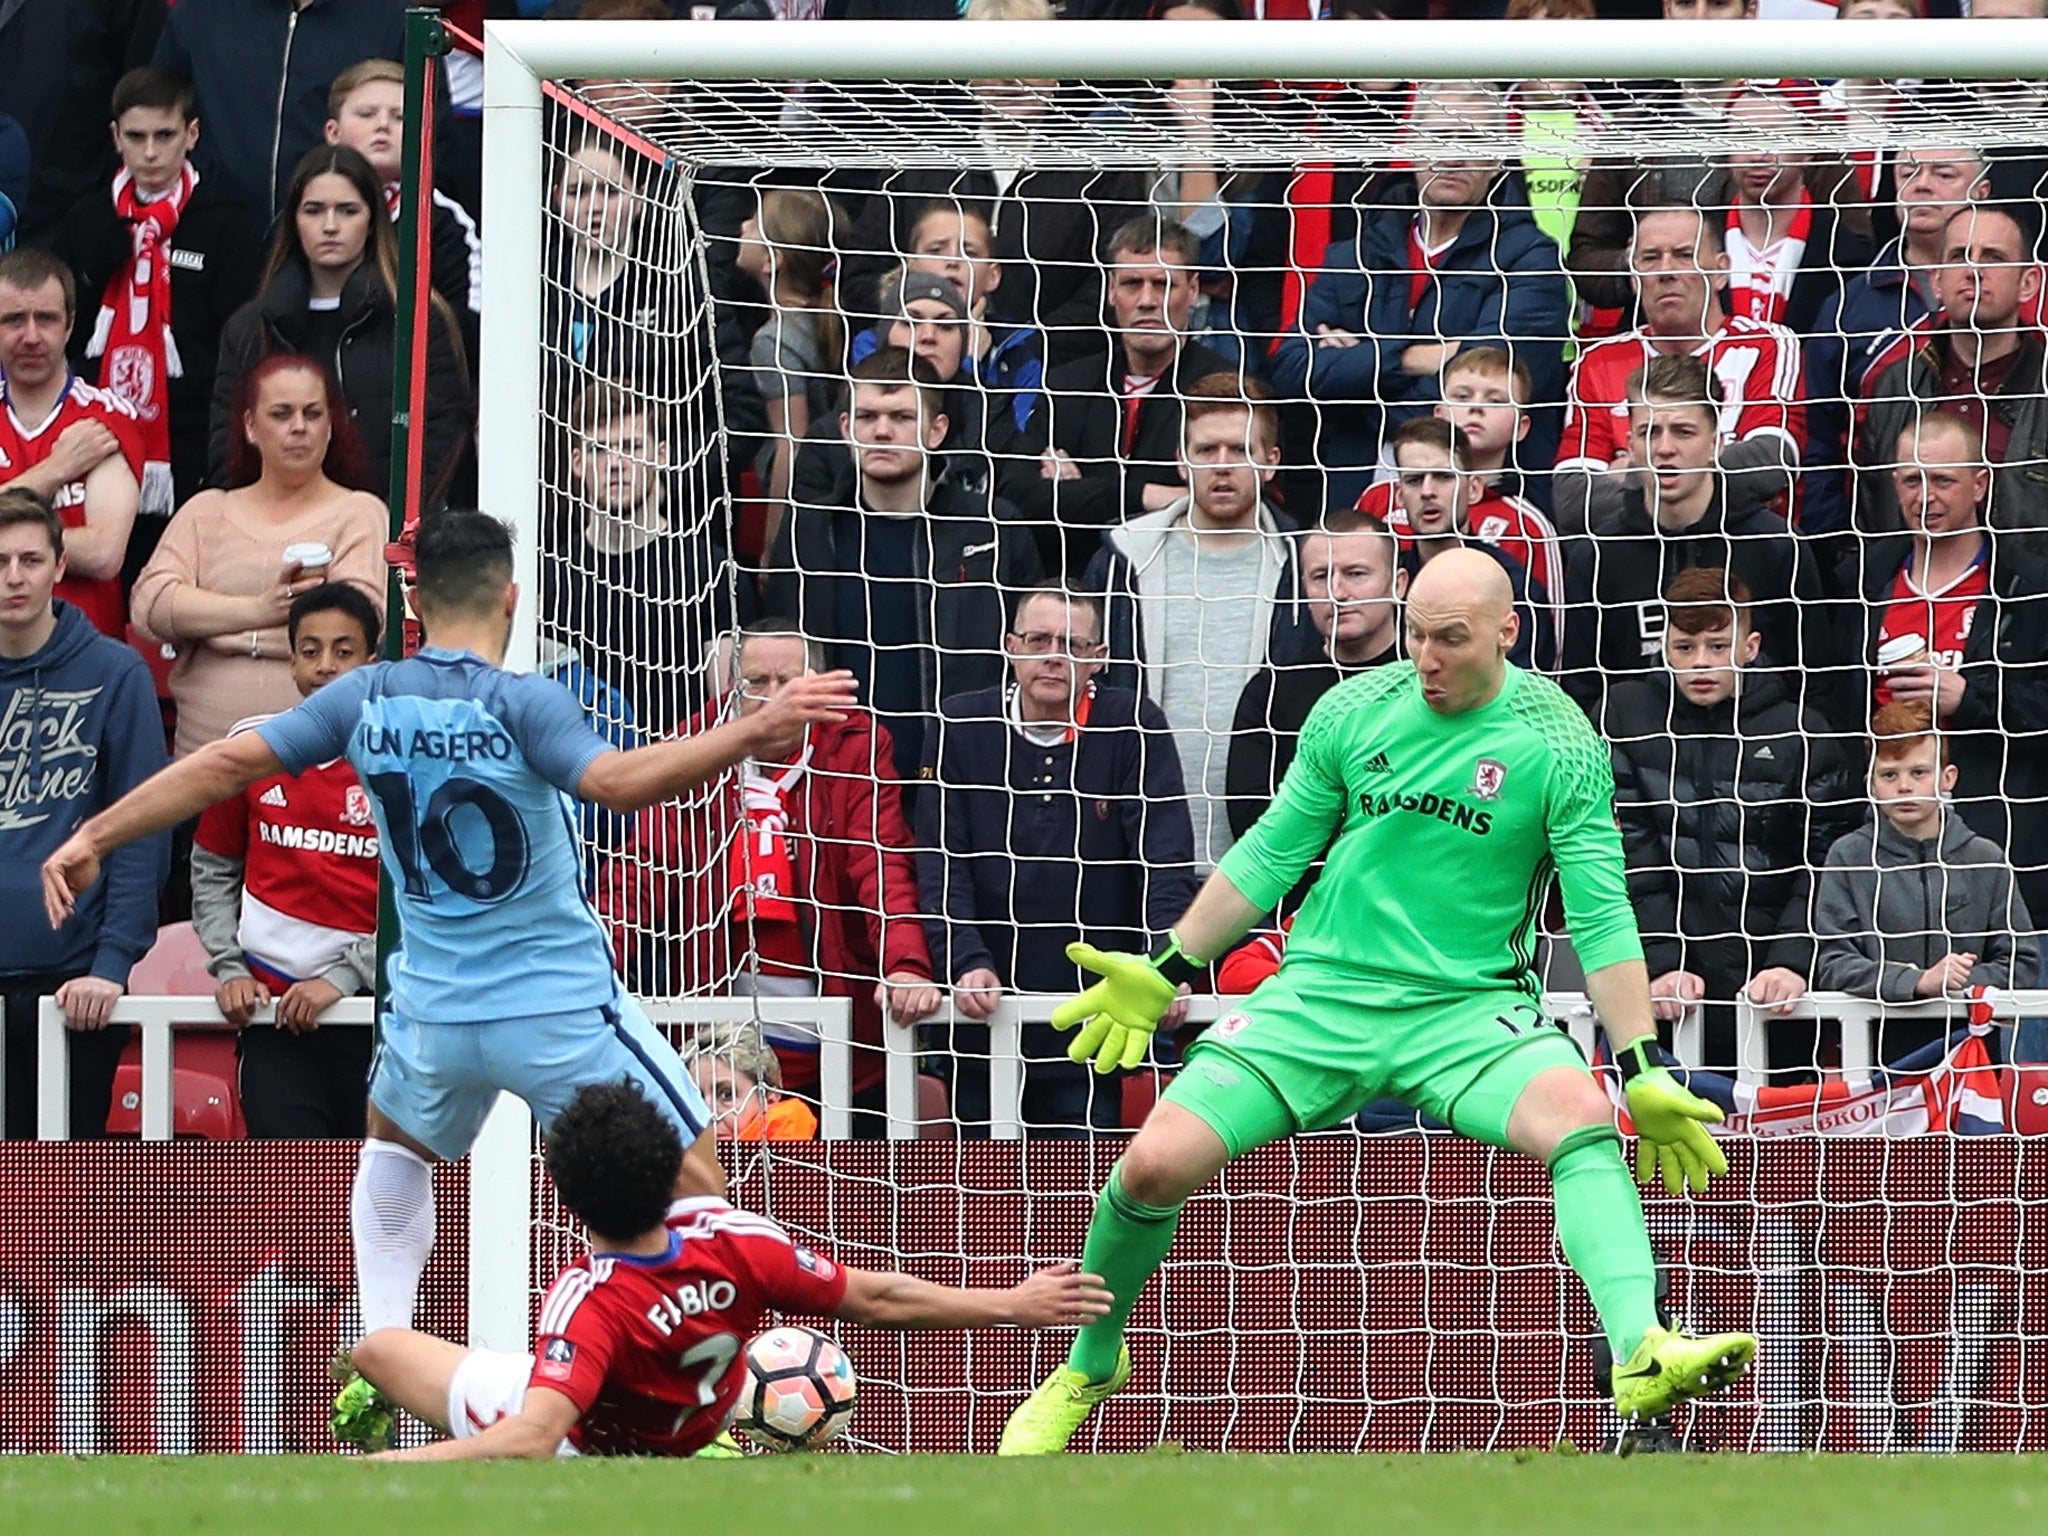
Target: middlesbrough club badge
1487	778
355	806
131	374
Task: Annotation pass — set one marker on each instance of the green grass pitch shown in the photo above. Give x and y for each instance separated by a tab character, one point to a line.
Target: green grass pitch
1519	1494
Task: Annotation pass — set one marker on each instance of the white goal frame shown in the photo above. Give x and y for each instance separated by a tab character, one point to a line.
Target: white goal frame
520	55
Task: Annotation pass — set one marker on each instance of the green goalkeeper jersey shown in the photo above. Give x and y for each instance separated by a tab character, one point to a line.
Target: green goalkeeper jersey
1447	832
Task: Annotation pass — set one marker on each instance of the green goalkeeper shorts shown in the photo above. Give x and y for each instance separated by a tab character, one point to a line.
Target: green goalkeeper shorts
1307	1051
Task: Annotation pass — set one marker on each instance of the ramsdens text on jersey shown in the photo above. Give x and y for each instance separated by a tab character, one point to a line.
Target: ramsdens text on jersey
349	845
1443	807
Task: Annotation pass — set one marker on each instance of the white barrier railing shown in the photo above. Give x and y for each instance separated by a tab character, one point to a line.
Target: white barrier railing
1006	1064
1859	1018
155	1018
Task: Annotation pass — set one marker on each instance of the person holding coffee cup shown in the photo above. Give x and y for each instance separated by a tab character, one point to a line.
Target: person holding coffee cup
311	557
231	561
1958	621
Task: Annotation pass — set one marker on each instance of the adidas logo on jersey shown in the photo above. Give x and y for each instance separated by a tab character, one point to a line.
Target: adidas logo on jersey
1378	764
272	796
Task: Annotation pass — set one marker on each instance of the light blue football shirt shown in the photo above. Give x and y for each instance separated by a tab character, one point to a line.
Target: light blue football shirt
471	771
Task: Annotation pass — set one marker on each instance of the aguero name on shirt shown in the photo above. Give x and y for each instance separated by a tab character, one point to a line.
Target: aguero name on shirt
464	746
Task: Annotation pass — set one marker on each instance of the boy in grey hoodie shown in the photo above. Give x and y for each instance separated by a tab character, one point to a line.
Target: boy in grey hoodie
1913	905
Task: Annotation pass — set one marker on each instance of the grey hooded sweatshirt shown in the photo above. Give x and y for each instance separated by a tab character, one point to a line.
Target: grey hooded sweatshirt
1886	907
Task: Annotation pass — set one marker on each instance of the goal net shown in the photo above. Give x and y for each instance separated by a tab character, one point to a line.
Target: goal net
1234	328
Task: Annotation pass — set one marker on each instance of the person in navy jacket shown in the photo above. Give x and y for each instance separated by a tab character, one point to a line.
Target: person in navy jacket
1057	814
1449	258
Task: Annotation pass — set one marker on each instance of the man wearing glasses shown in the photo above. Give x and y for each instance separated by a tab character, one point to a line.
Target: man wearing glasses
1058	813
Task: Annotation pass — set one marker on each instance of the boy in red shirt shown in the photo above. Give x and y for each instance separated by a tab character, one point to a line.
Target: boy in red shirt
639	1348
1486	398
284	897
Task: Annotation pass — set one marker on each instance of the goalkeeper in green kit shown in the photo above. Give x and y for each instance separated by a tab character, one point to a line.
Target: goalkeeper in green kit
1455	786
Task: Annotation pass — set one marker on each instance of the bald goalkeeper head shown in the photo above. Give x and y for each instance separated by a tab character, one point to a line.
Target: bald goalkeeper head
1461	624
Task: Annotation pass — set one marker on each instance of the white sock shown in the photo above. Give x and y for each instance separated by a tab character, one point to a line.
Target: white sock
391	1217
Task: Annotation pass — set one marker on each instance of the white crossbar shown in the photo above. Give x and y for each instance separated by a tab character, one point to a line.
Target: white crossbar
1273	50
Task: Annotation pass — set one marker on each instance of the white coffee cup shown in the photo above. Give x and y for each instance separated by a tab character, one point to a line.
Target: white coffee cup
309	557
1901	651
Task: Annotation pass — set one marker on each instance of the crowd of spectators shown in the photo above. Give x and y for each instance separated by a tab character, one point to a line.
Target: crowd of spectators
1097	479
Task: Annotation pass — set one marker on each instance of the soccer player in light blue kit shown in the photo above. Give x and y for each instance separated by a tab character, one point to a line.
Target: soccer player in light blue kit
503	979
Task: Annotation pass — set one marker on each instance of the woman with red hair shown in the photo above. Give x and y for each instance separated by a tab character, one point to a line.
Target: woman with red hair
224	576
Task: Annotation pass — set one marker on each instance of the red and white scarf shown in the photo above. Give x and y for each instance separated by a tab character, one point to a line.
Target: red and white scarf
762	865
1760	281
132	337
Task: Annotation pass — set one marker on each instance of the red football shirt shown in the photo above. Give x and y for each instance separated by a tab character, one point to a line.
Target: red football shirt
308	846
23	447
1756	362
1940	620
1516	527
649	1349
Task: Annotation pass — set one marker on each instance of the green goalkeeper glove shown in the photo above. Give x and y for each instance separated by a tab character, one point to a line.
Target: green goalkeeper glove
1672	1141
1117	1014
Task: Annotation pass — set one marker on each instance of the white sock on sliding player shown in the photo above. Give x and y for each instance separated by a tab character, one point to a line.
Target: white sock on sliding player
391	1217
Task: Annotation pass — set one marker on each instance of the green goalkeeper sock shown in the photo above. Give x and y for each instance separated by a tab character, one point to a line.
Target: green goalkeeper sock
1600	1223
1126	1243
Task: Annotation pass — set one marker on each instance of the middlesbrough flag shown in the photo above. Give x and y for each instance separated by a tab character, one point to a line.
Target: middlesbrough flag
1951	1085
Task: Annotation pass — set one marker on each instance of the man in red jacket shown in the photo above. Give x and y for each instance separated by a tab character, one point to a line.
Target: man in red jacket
793	878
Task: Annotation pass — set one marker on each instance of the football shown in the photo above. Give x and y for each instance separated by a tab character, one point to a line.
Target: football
799	1392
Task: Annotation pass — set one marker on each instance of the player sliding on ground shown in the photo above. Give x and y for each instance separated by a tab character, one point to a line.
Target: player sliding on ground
638	1352
1453	784
504	976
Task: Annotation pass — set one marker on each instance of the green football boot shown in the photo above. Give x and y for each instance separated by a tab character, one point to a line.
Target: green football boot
364	1417
1046	1420
1670	1368
721	1449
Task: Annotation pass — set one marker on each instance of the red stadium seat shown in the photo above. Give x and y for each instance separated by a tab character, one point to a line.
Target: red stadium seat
750	518
174	967
203	1104
2027	1100
205	1073
934	1110
153	654
1141	1092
